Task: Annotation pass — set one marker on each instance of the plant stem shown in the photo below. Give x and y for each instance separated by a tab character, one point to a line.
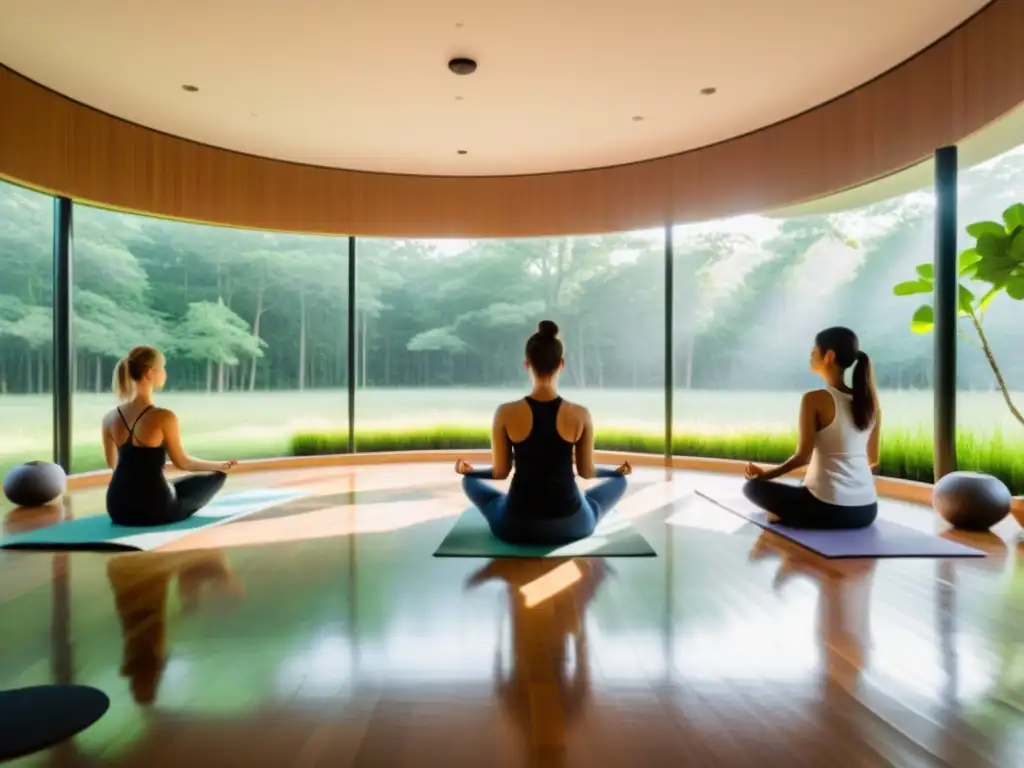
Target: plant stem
995	369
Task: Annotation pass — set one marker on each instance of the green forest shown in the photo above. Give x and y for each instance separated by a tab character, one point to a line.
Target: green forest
245	310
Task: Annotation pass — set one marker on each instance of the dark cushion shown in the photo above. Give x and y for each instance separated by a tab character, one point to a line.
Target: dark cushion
971	500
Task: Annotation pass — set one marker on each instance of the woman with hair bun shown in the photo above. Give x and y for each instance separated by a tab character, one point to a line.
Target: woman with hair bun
839	438
138	438
540	435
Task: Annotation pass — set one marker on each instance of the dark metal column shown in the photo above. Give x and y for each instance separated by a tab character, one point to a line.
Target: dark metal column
351	345
62	315
946	309
669	358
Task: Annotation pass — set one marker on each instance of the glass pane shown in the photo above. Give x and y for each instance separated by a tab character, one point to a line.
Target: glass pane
253	325
750	295
26	326
990	436
442	327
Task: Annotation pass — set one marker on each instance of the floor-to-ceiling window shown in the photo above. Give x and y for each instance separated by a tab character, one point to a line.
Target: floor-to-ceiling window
26	326
253	325
441	329
751	293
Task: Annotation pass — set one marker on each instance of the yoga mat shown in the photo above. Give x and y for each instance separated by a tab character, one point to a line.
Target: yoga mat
881	539
472	537
97	532
35	718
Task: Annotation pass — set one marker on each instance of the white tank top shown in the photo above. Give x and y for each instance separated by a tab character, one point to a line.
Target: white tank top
839	472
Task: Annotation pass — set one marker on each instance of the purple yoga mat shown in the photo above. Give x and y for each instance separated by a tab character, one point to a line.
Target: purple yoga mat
881	539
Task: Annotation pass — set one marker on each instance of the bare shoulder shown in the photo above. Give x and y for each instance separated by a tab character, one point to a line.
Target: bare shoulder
163	415
503	410
576	410
110	418
817	397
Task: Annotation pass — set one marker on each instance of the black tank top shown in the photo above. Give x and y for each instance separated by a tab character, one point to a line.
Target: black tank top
543	485
138	482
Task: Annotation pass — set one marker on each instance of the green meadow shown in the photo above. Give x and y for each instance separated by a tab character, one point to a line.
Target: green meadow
756	426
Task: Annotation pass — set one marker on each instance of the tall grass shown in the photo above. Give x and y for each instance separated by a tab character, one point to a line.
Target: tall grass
905	454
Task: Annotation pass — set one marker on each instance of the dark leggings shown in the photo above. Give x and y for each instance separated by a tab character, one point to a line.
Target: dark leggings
799	508
191	493
594	504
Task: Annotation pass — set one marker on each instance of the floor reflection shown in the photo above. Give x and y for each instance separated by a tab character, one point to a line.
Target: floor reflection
844	602
362	649
141	583
547	683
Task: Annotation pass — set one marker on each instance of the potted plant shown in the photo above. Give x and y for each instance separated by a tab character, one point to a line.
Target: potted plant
993	266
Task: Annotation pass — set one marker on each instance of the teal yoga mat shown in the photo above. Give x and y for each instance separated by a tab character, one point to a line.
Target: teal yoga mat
614	537
97	532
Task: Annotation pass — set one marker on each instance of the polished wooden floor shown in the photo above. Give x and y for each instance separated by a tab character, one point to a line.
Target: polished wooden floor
324	633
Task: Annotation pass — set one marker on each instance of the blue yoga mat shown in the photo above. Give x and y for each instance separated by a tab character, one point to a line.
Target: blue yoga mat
97	532
881	539
614	537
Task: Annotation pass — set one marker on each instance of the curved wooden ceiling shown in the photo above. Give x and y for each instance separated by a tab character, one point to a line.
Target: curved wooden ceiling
952	89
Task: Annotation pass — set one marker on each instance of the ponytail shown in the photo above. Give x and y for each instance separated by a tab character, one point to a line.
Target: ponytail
865	398
123	386
132	368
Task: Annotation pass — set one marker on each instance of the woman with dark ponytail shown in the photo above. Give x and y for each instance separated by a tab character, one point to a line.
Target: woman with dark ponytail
138	438
540	435
839	437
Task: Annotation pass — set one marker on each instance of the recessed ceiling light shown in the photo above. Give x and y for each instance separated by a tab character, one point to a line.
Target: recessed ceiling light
463	152
190	88
709	91
638	118
462	66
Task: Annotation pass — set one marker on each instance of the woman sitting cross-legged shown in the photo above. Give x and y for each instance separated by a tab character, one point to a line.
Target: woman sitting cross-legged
839	432
540	434
138	437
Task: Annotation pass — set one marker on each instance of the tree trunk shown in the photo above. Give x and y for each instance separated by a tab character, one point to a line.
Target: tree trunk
220	376
256	335
581	360
30	386
40	375
362	348
209	376
691	346
99	373
302	338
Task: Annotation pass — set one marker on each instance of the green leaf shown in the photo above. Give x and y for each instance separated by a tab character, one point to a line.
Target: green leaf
1015	288
993	246
987	298
927	271
1014	216
995	270
966	300
923	320
1016	250
980	228
911	287
968	259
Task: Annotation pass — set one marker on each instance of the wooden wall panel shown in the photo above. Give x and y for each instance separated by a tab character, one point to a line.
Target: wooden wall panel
952	89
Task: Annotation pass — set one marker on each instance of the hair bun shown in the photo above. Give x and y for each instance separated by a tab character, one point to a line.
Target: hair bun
547	328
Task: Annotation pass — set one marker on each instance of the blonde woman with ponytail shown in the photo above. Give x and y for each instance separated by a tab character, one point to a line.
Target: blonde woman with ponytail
138	438
839	443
